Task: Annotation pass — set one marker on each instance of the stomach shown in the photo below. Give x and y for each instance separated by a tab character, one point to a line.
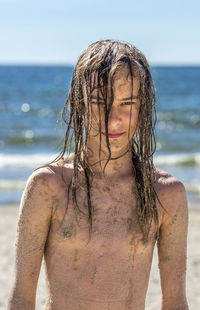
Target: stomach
98	276
75	302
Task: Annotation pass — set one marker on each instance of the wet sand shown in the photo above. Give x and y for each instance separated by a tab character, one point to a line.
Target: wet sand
8	222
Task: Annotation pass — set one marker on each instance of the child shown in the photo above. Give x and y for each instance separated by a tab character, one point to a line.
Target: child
96	215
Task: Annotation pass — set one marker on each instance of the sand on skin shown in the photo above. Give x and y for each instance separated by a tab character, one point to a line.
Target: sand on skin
8	222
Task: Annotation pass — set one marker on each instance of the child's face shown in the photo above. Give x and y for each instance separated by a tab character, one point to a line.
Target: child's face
123	117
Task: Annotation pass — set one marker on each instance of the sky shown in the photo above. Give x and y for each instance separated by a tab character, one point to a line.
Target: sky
56	32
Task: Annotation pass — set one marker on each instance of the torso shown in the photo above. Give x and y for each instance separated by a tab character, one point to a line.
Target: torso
112	270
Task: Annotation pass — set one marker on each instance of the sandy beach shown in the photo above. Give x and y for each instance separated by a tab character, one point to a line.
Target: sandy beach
8	222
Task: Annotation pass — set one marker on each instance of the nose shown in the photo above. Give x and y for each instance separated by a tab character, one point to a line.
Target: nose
114	118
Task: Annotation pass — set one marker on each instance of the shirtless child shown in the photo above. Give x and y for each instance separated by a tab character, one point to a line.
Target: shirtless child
96	216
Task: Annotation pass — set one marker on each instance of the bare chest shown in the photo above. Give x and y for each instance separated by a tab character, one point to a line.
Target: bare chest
109	265
113	223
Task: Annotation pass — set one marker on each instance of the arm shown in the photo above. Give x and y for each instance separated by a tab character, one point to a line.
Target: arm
33	226
172	246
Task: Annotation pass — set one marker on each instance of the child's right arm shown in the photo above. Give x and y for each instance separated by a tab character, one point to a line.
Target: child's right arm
33	227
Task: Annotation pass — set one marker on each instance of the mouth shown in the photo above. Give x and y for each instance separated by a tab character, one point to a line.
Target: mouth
114	135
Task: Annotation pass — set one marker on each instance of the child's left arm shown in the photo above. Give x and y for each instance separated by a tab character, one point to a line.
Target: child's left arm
172	246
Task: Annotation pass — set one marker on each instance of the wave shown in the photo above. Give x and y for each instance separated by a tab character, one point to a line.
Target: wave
192	188
12	185
33	161
190	159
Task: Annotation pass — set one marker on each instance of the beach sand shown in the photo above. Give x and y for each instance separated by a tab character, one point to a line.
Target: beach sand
8	221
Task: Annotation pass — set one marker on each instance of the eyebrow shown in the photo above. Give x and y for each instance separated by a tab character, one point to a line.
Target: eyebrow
130	98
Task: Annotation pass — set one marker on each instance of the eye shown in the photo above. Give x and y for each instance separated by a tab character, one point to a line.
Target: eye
97	102
129	103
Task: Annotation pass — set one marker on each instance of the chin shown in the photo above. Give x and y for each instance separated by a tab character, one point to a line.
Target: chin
116	150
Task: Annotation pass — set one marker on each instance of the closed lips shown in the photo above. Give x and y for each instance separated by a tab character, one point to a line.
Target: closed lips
114	135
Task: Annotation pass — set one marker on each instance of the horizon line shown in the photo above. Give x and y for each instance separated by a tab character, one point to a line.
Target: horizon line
66	64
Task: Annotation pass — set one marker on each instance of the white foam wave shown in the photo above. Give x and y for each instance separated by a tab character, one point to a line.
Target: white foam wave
11	185
190	159
193	188
33	161
25	160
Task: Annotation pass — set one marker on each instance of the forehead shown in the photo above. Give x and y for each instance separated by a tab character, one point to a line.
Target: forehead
123	83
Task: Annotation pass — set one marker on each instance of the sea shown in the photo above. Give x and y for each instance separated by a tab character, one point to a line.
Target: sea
31	131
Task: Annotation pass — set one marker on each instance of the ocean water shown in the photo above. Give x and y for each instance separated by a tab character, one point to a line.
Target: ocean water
31	134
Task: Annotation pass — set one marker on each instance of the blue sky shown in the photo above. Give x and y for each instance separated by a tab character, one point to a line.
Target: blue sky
56	32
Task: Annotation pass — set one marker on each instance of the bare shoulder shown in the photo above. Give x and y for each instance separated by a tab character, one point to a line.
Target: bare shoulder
54	175
165	183
171	193
48	183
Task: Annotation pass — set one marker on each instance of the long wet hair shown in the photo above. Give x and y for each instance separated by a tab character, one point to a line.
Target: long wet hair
100	62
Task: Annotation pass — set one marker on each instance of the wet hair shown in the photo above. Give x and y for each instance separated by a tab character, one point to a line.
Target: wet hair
97	65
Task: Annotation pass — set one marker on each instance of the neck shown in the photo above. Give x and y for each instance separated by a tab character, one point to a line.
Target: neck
118	165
